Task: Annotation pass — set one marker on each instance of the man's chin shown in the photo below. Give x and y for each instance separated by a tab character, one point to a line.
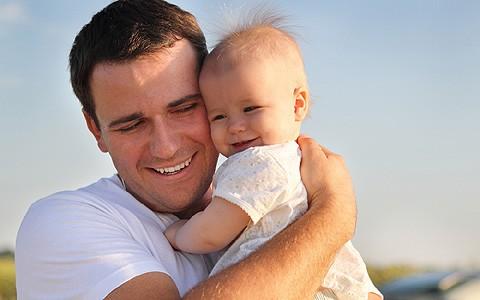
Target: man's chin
186	213
191	209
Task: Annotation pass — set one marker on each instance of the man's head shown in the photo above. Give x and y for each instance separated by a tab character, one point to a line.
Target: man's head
126	30
255	88
135	69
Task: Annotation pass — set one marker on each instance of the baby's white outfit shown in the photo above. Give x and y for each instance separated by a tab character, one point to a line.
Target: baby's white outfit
265	182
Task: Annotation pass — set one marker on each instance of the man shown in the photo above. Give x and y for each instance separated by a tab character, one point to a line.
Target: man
134	68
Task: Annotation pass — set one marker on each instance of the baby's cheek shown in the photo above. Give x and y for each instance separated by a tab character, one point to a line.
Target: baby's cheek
272	132
279	131
218	136
215	134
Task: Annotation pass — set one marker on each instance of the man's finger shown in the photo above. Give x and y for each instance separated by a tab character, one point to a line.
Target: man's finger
326	151
307	144
312	150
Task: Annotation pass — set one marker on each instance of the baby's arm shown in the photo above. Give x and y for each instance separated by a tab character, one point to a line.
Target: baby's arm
209	230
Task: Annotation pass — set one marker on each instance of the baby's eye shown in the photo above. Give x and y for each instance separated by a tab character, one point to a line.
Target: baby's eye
250	108
218	117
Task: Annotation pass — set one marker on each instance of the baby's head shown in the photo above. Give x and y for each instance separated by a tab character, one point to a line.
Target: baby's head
255	89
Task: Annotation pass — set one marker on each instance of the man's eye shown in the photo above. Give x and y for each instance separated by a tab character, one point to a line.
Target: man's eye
186	108
250	108
218	117
130	128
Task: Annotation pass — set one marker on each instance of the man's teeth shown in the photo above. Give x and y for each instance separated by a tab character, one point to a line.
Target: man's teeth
175	168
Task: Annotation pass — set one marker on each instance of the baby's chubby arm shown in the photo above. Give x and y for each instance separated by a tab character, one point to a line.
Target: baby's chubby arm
209	230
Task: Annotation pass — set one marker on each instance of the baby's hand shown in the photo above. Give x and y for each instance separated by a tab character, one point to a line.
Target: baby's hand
171	232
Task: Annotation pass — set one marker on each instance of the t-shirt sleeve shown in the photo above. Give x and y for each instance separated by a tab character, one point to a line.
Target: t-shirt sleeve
253	180
70	249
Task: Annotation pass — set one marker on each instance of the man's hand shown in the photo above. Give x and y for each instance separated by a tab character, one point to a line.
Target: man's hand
328	182
294	262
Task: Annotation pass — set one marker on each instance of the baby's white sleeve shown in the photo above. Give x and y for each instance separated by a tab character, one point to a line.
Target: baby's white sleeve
348	276
252	179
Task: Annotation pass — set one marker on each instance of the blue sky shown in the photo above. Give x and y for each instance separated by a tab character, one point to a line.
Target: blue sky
395	86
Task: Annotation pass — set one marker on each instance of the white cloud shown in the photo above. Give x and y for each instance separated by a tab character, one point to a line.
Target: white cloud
12	13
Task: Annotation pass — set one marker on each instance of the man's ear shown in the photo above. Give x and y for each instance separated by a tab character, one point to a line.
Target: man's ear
301	103
92	126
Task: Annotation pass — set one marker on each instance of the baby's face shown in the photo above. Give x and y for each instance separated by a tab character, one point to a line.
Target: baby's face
249	104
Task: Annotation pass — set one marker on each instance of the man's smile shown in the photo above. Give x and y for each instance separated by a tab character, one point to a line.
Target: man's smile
174	169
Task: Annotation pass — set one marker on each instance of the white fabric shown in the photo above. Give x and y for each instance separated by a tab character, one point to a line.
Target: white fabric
265	182
348	277
83	244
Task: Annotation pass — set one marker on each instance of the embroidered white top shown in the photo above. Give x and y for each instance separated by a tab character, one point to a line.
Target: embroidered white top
265	182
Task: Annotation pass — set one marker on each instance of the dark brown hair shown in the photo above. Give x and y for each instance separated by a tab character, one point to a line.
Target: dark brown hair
126	30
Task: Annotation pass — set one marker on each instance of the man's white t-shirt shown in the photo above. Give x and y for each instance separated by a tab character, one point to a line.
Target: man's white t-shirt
83	244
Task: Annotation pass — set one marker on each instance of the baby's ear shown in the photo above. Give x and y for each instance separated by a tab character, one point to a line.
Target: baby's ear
301	103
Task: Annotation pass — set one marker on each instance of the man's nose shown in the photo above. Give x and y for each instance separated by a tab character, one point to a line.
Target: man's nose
164	140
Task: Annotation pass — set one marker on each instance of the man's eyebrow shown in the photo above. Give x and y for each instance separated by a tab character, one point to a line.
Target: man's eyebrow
140	115
125	119
182	100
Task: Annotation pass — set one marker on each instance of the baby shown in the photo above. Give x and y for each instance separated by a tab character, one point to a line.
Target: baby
256	95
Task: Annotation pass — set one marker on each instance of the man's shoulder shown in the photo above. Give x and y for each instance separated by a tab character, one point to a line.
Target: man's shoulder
94	194
102	204
92	240
50	214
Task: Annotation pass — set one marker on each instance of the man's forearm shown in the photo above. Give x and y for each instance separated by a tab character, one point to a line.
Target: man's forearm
290	266
293	264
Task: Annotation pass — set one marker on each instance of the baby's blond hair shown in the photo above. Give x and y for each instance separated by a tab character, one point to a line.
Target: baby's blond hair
261	34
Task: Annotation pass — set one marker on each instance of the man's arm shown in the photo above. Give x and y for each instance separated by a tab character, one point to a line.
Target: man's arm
293	264
154	285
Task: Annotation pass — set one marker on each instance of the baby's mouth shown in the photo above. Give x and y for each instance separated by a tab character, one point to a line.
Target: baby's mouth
244	144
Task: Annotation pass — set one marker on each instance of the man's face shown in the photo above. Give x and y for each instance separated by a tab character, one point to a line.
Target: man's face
154	126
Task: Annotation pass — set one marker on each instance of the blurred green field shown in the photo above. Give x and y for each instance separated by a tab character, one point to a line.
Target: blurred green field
7	279
383	274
